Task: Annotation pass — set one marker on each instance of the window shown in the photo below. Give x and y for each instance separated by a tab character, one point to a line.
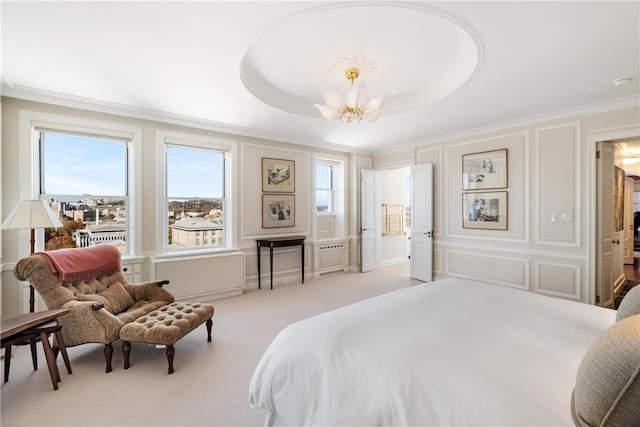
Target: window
195	196
325	186
84	178
331	218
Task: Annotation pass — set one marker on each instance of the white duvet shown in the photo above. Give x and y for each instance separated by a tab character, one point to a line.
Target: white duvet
450	352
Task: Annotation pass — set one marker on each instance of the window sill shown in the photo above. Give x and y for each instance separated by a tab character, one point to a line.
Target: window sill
189	253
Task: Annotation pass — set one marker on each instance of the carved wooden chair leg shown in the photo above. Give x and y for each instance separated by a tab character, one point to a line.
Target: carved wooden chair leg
108	354
209	325
126	351
170	352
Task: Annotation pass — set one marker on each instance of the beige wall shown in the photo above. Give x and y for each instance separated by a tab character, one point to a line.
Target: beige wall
550	171
17	179
548	246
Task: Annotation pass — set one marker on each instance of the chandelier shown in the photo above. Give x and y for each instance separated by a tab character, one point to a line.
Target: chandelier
355	105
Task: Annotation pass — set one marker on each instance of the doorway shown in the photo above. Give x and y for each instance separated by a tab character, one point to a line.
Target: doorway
396	214
612	152
399	217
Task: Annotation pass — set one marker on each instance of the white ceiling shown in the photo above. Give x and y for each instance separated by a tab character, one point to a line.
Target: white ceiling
256	68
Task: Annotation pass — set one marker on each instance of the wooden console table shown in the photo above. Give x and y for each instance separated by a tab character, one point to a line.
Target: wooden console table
29	327
279	242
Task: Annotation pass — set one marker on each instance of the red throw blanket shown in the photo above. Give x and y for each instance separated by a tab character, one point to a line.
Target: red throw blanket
79	264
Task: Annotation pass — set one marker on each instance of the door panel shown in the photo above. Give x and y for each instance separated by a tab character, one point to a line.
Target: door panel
421	262
604	233
371	219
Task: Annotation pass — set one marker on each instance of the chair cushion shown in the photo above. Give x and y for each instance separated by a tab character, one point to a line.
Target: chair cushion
630	304
607	390
115	298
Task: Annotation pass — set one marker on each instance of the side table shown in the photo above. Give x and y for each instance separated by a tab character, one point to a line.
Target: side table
28	327
279	242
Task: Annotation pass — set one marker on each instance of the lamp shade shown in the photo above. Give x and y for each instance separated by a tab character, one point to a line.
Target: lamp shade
31	214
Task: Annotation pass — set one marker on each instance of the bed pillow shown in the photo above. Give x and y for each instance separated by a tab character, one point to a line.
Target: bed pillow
630	304
607	389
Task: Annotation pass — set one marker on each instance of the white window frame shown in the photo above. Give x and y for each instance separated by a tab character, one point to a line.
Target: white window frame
339	192
334	165
29	182
186	140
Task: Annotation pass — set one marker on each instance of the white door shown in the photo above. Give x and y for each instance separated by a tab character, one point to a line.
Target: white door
604	229
421	261
371	219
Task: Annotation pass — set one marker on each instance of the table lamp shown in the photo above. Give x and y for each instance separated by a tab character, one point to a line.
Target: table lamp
31	214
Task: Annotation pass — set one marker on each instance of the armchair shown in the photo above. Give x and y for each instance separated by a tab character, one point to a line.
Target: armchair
89	282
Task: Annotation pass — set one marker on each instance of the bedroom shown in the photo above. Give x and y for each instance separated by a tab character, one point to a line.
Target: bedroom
551	170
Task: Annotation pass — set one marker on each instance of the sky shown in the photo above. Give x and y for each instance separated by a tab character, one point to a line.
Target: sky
82	165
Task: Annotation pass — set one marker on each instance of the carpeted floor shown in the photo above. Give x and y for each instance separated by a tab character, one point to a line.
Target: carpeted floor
627	287
211	382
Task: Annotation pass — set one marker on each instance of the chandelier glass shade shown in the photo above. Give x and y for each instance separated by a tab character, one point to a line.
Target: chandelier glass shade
356	105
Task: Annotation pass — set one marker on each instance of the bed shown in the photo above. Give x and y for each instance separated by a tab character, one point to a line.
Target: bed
449	352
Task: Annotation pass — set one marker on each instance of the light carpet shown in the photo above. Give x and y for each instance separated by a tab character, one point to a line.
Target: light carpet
211	380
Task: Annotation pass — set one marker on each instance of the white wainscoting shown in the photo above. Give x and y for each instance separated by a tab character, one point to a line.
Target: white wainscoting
508	271
559	280
202	278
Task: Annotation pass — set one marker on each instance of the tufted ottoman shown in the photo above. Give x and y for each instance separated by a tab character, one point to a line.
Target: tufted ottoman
165	326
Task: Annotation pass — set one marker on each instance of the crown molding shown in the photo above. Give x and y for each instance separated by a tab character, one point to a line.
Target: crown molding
64	100
587	110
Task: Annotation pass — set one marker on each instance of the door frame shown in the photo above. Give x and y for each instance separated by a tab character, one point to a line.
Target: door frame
601	135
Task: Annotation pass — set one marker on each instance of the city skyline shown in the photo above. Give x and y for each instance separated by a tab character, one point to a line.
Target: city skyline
82	165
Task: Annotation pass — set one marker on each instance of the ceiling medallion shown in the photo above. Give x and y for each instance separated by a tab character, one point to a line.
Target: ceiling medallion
355	105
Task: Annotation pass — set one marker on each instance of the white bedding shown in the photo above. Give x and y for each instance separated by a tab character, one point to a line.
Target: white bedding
449	352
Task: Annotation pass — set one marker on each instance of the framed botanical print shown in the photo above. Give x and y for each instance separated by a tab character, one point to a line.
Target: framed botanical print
278	176
486	211
278	210
484	171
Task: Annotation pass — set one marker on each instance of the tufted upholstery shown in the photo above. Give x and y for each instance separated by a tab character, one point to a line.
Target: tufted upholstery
165	326
98	306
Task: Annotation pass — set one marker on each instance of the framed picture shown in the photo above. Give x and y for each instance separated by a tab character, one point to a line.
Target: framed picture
278	175
618	200
486	211
278	210
486	170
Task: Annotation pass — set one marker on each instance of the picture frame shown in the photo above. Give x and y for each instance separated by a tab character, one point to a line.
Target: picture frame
485	210
278	210
485	170
278	175
618	199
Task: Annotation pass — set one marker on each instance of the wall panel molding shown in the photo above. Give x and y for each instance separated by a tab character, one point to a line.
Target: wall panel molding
518	223
558	191
509	271
558	280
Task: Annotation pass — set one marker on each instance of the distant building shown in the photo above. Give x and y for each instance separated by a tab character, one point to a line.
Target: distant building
194	232
112	233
